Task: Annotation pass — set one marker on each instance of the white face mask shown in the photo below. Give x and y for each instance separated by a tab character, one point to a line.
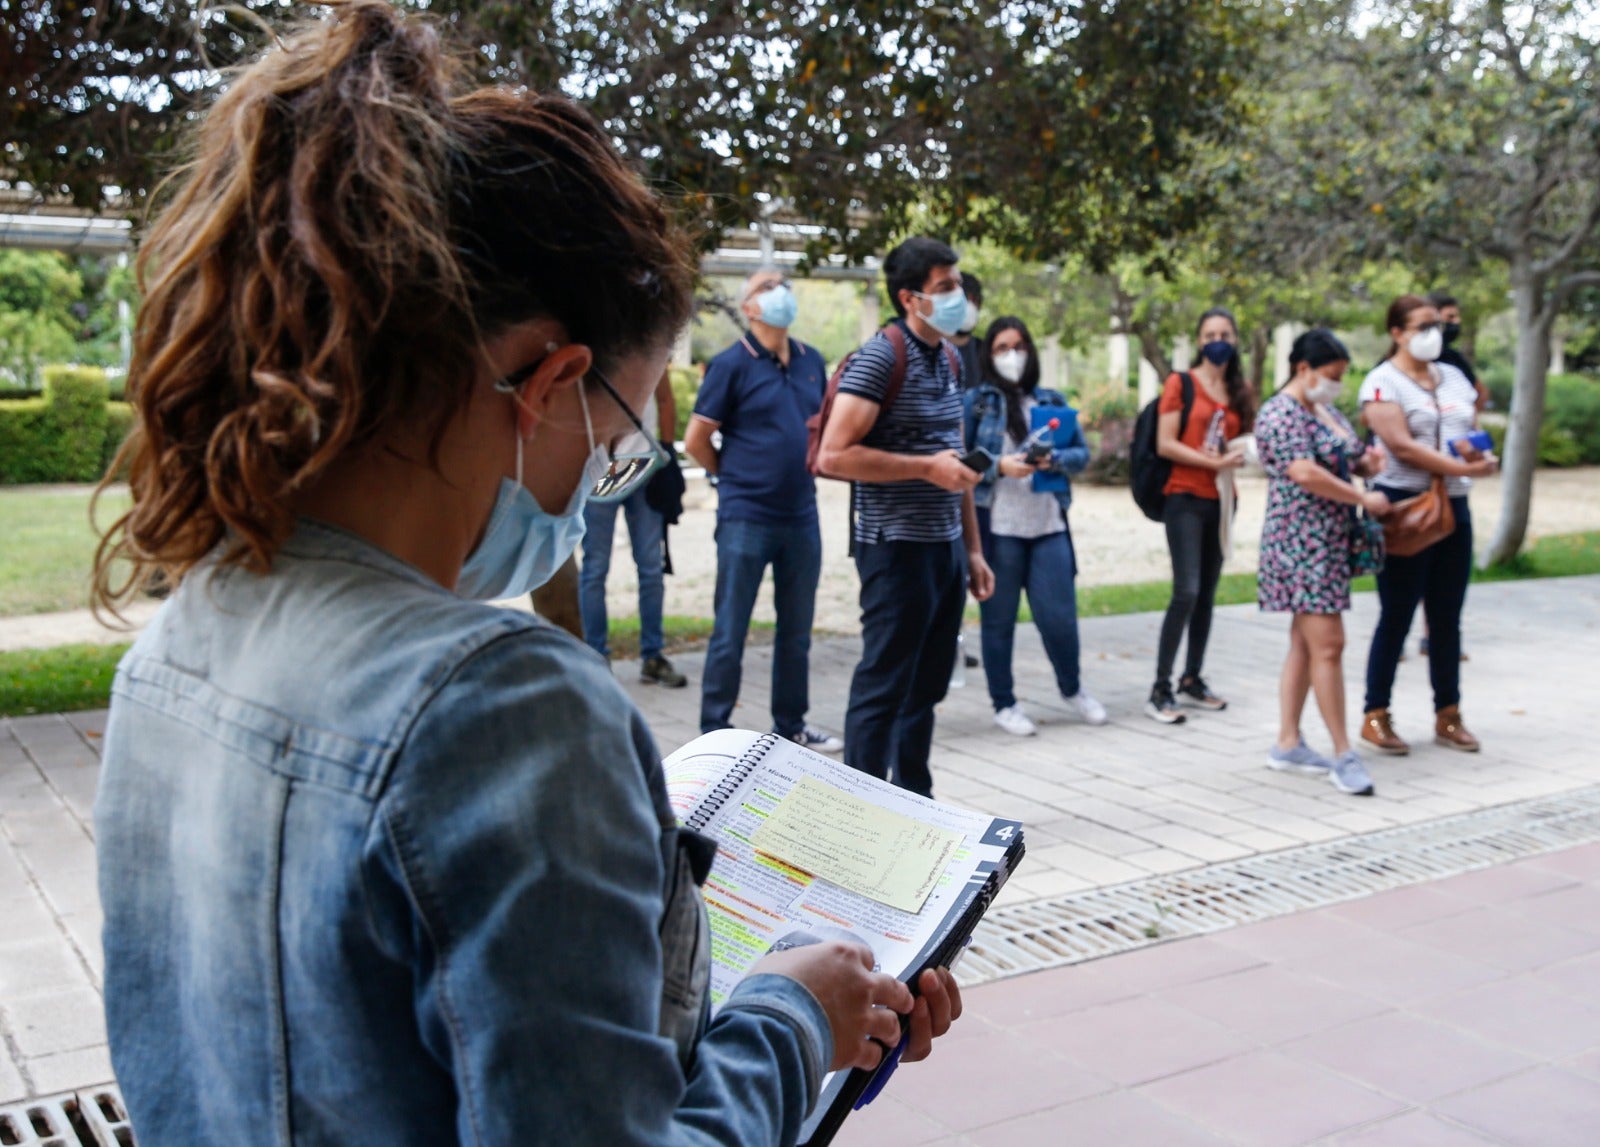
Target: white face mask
1426	345
1009	364
970	323
1323	391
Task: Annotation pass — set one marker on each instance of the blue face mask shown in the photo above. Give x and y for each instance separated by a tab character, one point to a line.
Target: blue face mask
778	306
949	310
1218	353
524	545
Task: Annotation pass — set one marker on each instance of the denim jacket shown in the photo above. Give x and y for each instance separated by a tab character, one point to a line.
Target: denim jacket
383	866
985	426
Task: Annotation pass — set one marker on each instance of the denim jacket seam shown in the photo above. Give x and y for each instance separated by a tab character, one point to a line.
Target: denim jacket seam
459	657
782	1010
414	875
128	671
414	881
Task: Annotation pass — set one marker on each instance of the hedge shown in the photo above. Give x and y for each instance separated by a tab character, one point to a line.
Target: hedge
68	434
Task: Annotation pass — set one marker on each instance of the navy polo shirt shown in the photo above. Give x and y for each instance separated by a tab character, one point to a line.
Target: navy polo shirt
761	407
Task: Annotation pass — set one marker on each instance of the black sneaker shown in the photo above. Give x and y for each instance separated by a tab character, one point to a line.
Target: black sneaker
1193	691
659	671
1163	707
972	662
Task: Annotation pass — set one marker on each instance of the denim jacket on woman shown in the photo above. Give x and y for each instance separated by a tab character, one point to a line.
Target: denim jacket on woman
986	427
383	866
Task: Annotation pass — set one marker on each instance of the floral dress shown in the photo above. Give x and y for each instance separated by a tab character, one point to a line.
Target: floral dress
1305	541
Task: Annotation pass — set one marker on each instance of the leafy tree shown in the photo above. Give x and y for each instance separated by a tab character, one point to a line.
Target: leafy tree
38	291
1466	139
1055	128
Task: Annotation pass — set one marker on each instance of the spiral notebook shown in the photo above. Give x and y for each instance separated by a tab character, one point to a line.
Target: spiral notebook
810	849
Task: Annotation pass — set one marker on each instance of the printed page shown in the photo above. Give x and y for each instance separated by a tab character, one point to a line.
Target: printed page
757	903
891	858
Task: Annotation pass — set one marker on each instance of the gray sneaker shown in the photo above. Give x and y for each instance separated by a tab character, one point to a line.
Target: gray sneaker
1349	775
1300	759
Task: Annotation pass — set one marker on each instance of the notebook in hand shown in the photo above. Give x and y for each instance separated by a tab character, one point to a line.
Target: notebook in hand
810	849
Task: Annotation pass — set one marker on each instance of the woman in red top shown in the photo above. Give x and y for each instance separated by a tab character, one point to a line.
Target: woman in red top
1223	408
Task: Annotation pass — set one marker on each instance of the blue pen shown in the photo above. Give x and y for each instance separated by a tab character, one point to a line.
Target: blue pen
885	1070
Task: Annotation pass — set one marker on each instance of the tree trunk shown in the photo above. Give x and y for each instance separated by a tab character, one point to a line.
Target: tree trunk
1260	351
1156	355
1527	415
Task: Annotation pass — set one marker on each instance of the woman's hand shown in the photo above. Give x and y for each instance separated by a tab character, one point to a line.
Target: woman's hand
1465	450
1485	467
1015	466
863	1007
936	1009
1372	461
1376	504
1232	460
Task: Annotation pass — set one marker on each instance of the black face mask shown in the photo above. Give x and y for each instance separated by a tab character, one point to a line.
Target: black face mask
1451	332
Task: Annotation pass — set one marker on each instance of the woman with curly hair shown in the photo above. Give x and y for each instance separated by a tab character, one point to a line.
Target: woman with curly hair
380	863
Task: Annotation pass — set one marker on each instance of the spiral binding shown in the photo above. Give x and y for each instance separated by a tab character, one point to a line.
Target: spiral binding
742	768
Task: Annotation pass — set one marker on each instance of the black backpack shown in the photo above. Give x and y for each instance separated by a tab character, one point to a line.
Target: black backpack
1147	470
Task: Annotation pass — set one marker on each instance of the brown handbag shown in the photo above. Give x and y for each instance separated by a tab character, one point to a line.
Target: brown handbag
1418	522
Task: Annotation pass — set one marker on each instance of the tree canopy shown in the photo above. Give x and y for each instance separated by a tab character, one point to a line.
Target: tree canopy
1051	127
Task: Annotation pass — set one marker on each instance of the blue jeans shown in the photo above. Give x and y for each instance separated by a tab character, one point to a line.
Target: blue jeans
1046	568
744	551
645	531
1438	578
912	597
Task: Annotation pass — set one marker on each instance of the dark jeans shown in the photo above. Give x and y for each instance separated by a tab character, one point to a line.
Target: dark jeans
1437	577
1046	568
1192	537
912	597
744	551
645	531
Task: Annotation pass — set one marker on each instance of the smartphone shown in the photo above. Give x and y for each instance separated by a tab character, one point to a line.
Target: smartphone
978	459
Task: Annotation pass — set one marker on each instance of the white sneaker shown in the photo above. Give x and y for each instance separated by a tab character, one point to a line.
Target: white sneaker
1092	712
1014	721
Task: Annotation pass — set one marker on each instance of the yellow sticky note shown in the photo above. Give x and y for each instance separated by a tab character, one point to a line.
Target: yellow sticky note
835	835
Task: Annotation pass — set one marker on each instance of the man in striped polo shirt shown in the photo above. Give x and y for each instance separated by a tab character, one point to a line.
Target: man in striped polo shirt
916	531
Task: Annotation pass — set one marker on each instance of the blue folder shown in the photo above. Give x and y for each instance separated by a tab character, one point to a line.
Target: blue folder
1050	483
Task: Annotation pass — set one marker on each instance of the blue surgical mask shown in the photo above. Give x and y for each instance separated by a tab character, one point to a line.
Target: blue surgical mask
949	310
524	545
778	306
1219	352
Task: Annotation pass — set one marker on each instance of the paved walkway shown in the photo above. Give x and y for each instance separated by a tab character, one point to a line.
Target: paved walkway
1461	1013
1104	806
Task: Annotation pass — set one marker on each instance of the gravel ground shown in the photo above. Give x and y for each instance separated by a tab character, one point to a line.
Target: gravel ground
1115	542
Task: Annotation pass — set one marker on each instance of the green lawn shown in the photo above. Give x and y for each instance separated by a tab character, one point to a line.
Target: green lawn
59	680
1563	555
47	548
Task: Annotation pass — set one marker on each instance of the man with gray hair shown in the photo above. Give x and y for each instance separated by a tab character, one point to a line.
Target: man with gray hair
759	393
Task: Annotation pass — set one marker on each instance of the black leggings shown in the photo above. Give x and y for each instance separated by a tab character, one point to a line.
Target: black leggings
1193	536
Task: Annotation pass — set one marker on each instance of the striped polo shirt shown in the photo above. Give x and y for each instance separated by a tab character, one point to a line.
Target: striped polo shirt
1454	402
924	419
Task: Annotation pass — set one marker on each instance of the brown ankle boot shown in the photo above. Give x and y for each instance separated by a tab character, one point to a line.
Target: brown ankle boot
1451	733
1379	733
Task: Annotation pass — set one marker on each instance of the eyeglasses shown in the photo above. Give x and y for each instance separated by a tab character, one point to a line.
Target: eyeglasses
626	473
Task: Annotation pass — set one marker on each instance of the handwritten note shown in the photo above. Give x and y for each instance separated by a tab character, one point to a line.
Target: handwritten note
855	844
